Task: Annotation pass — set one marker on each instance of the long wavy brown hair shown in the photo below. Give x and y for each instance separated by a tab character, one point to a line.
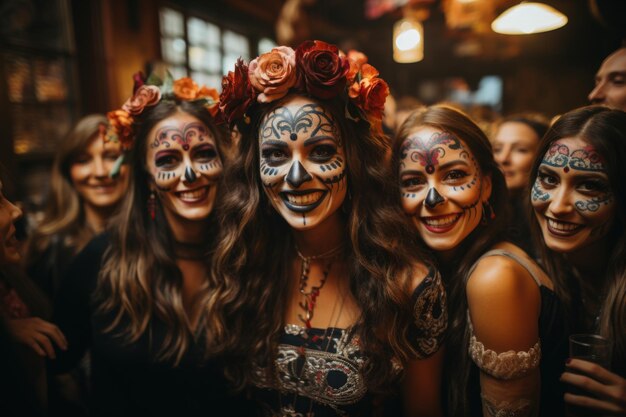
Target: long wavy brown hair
457	365
64	214
250	268
605	130
139	279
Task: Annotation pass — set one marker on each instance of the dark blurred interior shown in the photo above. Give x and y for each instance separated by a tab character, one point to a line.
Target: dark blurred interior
62	59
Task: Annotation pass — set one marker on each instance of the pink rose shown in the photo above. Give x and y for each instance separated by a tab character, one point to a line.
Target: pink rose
146	95
273	74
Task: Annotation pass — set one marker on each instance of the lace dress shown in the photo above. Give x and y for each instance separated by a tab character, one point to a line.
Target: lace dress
319	370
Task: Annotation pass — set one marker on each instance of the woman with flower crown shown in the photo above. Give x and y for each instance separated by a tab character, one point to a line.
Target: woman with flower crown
323	303
137	295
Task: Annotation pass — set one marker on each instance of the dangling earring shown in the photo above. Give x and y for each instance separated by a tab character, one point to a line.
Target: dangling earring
488	213
152	205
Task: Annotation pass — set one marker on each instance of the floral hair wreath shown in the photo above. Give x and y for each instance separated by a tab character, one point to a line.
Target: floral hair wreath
149	92
316	69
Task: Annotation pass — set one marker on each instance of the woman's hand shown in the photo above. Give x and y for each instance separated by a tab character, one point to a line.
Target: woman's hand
607	390
37	334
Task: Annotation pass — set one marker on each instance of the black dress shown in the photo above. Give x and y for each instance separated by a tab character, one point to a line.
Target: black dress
318	371
126	378
553	337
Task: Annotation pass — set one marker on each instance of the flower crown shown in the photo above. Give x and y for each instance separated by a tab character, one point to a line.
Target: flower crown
149	92
316	69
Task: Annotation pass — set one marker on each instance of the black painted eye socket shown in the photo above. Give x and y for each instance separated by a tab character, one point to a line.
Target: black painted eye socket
322	153
205	154
167	161
274	156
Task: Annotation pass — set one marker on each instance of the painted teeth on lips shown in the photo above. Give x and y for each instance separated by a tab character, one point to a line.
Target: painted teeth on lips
564	227
305	199
193	195
441	221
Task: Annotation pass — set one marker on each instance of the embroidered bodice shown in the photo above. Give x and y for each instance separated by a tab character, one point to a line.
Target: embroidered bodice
318	371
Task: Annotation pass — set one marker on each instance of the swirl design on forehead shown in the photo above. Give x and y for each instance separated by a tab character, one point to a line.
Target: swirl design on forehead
581	159
309	119
428	152
169	134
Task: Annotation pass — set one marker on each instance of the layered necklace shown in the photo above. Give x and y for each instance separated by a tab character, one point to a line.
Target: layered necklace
310	296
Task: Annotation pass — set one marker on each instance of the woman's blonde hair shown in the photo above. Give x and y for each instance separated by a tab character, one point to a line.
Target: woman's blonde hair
64	214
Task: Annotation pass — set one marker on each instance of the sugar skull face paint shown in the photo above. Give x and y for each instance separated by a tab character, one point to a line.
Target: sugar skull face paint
442	187
302	162
185	165
572	196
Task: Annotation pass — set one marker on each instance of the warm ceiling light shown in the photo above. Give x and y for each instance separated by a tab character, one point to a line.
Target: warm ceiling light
527	18
408	41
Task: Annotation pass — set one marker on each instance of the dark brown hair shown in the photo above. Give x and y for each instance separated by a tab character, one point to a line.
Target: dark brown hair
605	130
250	268
139	278
450	120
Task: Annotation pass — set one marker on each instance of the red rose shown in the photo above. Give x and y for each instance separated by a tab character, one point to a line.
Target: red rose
237	93
322	72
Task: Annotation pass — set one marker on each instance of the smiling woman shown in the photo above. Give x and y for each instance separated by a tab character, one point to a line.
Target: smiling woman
502	305
83	196
137	296
346	308
578	197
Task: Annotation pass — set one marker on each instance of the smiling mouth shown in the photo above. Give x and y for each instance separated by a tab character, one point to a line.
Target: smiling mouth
103	188
561	228
441	224
193	196
302	201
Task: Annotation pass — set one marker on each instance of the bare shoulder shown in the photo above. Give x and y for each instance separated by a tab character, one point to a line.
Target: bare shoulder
504	304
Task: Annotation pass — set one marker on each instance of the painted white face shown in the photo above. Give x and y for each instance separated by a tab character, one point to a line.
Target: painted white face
572	196
185	166
514	148
9	213
302	162
90	171
442	187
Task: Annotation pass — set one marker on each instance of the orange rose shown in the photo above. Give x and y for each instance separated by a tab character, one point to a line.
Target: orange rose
370	92
146	95
368	72
273	74
212	98
185	89
121	124
372	96
357	60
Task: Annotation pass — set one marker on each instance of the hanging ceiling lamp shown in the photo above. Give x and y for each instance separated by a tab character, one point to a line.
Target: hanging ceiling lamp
527	18
408	33
408	41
